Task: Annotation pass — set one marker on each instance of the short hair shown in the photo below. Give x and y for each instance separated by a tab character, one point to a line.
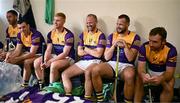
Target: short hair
22	20
159	31
93	15
60	14
13	12
125	17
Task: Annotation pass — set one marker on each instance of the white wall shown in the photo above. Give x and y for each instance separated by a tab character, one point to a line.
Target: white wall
144	14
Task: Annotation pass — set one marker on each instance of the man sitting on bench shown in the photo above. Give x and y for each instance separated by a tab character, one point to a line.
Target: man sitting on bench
129	43
160	57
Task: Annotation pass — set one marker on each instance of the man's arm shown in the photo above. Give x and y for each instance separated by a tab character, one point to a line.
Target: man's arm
31	54
142	72
170	65
48	52
109	52
11	55
63	55
81	51
97	52
168	74
16	52
130	53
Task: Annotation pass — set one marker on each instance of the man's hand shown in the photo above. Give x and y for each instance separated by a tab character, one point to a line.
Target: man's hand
43	65
145	77
2	55
46	64
156	80
7	59
121	43
12	60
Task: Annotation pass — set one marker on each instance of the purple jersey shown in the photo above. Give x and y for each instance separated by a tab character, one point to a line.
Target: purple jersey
133	41
96	40
12	33
59	40
157	61
35	38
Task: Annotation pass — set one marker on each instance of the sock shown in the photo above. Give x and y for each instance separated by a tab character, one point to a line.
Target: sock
25	84
40	82
87	97
99	96
68	94
127	100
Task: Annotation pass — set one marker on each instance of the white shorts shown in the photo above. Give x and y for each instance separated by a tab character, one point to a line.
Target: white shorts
83	64
153	73
121	67
71	61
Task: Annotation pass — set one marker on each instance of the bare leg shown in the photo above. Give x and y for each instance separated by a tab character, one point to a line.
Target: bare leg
57	67
167	93
37	67
129	77
68	74
27	68
139	90
100	71
88	80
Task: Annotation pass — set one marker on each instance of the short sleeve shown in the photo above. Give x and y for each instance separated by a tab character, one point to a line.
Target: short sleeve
142	53
172	57
109	41
69	39
81	42
49	40
19	39
102	41
36	38
136	43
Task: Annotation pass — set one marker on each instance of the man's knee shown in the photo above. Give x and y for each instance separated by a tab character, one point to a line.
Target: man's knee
168	86
129	75
27	62
54	66
96	71
65	74
37	63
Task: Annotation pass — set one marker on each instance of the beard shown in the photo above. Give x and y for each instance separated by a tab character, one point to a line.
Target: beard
121	30
90	28
156	48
